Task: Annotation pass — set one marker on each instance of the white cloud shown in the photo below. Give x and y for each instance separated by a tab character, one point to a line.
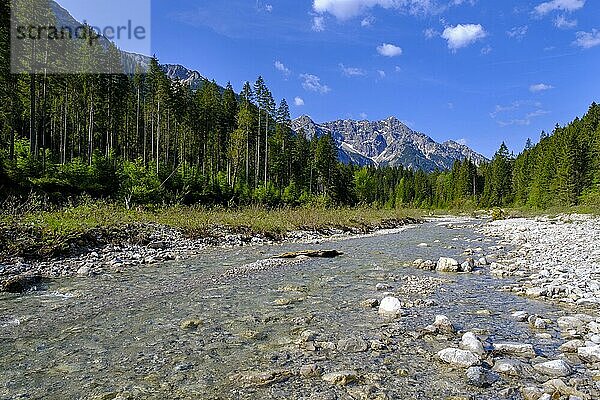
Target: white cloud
430	33
299	101
363	115
537	113
351	71
587	40
460	36
518	32
540	87
559	5
347	9
279	66
312	83
269	8
486	50
389	50
367	21
398	69
462	141
513	113
562	22
318	24
381	73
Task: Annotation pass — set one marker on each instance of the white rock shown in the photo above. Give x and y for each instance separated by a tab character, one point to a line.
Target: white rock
472	343
468	266
520	316
446	264
568	323
557	368
483	261
382	286
539	323
594	327
536	292
515	349
443	324
390	306
571	346
508	367
458	357
589	354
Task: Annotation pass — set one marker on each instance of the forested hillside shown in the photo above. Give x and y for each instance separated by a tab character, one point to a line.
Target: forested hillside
145	139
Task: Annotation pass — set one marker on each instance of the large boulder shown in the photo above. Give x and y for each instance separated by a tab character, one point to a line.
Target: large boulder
557	368
446	264
443	324
459	357
21	283
571	346
390	307
472	343
570	323
515	349
589	354
508	366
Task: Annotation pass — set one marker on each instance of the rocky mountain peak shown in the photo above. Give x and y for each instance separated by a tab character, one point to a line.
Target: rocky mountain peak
387	143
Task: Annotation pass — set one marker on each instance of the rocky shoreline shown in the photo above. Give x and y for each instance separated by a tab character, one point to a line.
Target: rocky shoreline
150	244
554	259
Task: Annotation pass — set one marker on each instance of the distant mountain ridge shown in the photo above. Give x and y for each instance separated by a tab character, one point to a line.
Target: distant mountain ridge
387	143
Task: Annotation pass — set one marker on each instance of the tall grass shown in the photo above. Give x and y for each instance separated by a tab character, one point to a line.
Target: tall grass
197	220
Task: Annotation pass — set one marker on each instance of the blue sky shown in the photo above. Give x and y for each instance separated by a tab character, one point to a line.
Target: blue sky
480	71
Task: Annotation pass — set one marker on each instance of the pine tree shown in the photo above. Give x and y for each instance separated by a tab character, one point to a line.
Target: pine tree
499	190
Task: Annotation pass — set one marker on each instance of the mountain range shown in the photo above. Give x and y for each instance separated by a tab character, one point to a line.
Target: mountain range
365	143
387	143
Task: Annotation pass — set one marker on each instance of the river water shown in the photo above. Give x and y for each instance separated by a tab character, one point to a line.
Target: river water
119	336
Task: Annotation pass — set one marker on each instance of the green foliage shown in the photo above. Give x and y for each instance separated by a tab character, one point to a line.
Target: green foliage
139	184
267	195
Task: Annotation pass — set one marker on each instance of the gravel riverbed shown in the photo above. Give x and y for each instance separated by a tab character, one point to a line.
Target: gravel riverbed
149	245
553	258
452	309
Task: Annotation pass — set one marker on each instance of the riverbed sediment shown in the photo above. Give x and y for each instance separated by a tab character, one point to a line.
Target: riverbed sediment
117	249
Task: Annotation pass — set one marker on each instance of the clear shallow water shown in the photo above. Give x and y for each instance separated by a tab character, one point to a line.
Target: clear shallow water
119	335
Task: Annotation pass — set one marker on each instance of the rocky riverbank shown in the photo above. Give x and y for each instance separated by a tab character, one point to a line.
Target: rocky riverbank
552	258
115	250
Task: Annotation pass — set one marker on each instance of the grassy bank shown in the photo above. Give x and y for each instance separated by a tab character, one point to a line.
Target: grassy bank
40	234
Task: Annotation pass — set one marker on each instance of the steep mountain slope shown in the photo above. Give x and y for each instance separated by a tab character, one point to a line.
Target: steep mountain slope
387	143
133	61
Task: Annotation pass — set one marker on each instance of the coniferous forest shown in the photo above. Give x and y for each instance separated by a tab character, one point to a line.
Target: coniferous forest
144	139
